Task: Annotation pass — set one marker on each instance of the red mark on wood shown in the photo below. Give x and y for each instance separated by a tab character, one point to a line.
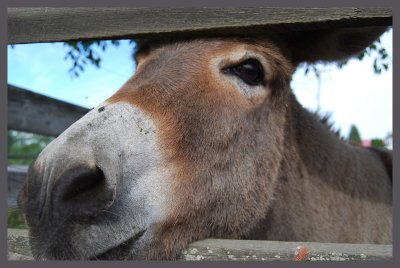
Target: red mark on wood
302	254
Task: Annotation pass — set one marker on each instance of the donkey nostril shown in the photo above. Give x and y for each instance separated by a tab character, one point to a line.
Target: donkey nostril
83	191
87	184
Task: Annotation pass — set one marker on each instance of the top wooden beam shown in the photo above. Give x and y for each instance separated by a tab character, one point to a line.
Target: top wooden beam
33	25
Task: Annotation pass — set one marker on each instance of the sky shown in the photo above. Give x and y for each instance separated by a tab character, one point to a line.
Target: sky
352	95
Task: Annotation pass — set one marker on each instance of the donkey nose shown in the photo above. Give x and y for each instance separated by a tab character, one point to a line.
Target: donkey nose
83	191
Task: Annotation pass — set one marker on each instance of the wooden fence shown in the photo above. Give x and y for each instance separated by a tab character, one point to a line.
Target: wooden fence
48	116
244	250
30	25
31	112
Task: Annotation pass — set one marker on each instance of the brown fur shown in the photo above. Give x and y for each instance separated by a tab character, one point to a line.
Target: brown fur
294	182
258	167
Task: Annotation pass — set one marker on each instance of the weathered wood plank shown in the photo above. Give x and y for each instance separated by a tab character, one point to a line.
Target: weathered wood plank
18	245
16	177
224	249
31	112
30	25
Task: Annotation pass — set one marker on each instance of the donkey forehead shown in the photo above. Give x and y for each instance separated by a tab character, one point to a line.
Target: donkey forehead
172	73
231	50
183	64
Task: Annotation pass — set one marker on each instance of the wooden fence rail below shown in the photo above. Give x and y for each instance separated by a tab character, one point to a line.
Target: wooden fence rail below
244	250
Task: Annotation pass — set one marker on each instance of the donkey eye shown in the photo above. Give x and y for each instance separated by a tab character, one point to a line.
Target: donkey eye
250	71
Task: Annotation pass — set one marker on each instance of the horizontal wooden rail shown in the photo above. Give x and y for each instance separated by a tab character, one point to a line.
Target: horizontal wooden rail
31	112
226	249
30	25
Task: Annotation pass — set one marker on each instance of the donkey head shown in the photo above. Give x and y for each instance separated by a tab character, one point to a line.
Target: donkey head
189	148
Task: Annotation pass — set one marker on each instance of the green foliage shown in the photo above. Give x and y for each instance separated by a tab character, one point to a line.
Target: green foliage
355	138
23	147
354	135
378	143
15	219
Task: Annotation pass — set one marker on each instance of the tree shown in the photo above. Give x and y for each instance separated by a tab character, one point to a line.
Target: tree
354	136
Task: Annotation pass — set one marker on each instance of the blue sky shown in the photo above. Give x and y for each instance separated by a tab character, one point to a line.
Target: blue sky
43	69
353	94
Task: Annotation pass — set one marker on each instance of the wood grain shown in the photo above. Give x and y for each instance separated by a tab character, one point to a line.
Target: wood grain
31	112
30	25
243	250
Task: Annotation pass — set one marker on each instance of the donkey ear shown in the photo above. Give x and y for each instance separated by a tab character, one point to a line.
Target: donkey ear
331	45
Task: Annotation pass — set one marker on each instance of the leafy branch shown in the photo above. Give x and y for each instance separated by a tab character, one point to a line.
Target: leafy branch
83	52
381	62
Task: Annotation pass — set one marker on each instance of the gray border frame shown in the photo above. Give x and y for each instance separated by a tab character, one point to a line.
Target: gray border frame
193	3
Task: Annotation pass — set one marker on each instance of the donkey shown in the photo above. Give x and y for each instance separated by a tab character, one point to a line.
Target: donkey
207	140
